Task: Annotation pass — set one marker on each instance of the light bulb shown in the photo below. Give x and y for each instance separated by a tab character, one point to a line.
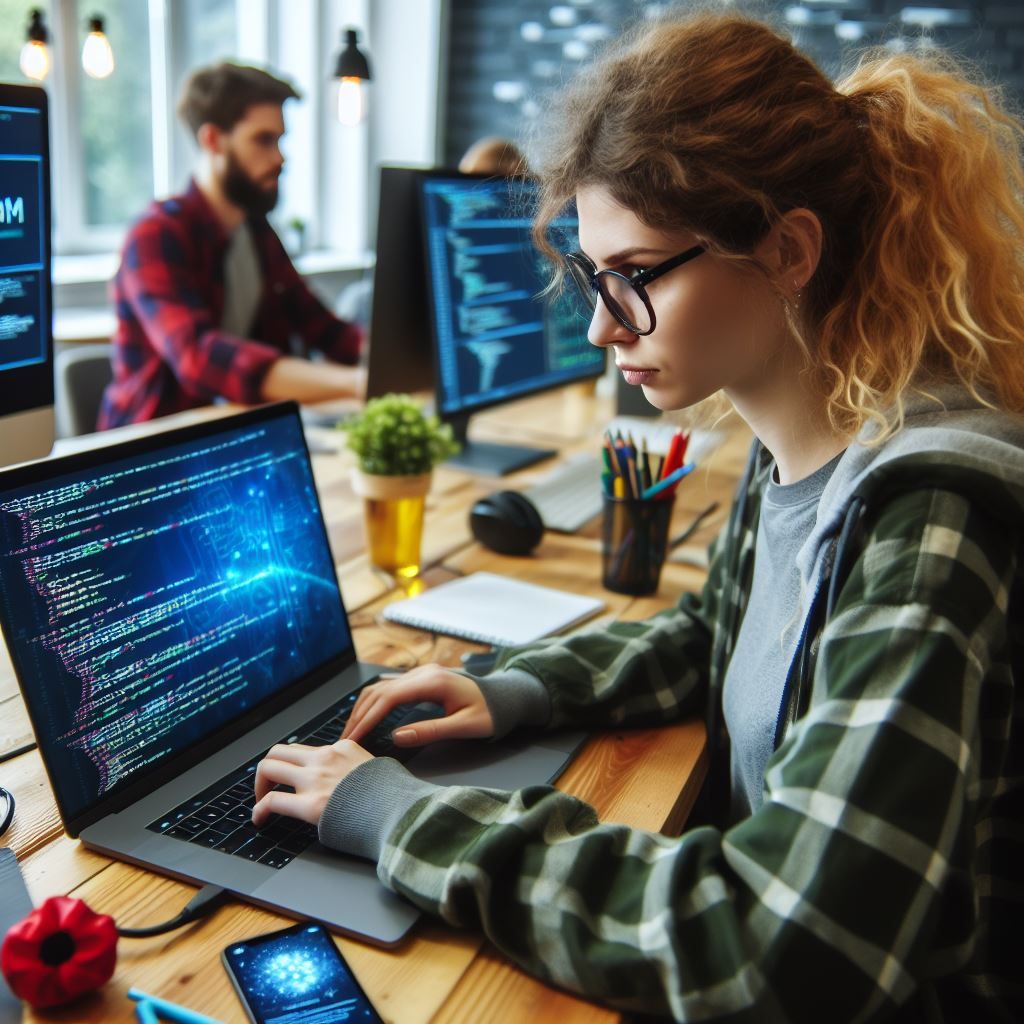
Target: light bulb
35	60
351	107
97	56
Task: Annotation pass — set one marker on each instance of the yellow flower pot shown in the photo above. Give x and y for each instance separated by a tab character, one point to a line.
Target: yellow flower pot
393	511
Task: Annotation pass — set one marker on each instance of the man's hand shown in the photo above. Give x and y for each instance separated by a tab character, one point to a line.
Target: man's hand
304	381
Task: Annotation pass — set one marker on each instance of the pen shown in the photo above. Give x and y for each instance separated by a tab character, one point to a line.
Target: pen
674	458
645	466
145	1012
168	1010
683	447
634	482
669	481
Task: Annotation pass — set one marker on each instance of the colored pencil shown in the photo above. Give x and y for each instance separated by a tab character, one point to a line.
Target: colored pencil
668	482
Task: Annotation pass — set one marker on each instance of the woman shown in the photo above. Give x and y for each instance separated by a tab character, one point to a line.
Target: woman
844	264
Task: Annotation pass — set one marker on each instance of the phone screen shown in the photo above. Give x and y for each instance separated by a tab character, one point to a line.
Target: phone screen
297	976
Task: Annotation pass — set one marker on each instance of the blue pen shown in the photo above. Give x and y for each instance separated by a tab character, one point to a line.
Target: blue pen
145	1012
169	1011
670	481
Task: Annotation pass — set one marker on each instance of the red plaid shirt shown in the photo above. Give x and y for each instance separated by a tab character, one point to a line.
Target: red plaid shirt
169	351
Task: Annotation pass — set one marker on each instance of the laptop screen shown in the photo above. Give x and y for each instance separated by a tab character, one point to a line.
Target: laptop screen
151	599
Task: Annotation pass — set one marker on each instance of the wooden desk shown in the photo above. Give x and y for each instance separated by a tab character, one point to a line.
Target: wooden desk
645	778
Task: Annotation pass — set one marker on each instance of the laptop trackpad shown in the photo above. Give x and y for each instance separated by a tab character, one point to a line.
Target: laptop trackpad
507	764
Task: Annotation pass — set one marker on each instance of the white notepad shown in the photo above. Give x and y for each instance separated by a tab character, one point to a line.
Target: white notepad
493	609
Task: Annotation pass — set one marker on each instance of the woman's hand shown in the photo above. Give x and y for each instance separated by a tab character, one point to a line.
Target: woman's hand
466	713
313	772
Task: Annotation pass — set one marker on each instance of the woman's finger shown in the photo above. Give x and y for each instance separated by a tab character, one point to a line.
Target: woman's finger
271	772
465	724
292	805
408	690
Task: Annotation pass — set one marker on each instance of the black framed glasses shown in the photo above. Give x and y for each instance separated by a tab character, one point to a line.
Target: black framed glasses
625	295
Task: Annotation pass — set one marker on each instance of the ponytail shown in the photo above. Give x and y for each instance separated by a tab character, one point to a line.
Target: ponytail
939	288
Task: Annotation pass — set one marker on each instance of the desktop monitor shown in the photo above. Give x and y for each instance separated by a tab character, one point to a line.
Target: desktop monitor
401	357
26	320
495	337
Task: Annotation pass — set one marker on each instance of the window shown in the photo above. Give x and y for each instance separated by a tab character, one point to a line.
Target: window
207	31
115	117
116	142
13	13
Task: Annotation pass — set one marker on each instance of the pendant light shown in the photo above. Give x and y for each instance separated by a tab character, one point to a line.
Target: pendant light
35	54
97	55
352	72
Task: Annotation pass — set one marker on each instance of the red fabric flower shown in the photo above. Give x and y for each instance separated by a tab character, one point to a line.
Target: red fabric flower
60	951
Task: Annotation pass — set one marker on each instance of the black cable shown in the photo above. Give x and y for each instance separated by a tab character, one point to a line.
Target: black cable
16	752
8	797
204	902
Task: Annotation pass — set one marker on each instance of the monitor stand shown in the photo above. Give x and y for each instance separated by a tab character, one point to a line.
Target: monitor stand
490	457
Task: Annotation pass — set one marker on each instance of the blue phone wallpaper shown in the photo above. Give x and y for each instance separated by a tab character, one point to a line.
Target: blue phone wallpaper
297	976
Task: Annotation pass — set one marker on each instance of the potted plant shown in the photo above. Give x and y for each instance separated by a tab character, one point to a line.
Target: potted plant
297	235
397	447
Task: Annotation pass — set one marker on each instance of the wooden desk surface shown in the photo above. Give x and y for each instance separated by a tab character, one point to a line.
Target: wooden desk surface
645	778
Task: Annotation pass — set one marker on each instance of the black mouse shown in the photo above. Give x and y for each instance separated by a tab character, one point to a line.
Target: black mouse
506	522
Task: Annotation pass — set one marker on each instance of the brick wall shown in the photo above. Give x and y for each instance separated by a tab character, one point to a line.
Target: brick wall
505	56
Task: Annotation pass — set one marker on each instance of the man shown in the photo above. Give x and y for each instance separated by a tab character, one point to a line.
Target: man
207	300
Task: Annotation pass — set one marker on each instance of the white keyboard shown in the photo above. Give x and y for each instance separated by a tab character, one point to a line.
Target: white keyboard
570	495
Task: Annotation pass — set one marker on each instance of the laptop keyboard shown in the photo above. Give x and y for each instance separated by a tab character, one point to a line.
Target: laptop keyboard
220	817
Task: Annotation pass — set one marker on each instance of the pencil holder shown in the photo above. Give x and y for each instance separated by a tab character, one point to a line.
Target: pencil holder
634	542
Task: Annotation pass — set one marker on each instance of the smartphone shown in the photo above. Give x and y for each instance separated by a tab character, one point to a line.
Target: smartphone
296	976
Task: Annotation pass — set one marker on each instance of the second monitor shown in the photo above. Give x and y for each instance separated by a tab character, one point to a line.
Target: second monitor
495	337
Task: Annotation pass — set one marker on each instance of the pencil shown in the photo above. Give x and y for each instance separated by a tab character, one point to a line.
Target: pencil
669	482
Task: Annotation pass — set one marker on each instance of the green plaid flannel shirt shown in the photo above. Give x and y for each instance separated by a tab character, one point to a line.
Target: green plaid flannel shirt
881	879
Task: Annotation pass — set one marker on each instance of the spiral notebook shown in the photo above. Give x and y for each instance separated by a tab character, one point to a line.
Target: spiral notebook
493	609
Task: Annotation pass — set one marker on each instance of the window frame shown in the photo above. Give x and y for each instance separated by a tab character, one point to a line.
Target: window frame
269	33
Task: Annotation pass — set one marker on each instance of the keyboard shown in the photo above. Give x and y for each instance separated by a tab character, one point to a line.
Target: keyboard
220	817
570	495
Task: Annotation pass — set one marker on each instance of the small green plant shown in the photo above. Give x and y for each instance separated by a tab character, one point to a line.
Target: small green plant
393	437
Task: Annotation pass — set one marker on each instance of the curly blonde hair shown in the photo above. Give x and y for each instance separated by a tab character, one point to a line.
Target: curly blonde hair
717	124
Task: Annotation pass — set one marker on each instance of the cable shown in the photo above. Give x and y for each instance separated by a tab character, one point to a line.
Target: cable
8	797
16	752
204	902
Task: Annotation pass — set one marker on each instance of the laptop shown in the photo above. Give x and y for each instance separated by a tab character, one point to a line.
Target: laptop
172	610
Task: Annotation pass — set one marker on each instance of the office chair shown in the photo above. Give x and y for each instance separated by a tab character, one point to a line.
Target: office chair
82	372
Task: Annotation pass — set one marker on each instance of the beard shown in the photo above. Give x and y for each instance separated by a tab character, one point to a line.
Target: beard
246	193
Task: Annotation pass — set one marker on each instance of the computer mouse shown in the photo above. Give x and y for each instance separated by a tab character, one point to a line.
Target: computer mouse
506	522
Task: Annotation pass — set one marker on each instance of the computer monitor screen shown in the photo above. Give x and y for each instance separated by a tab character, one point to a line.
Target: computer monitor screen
26	324
496	337
152	592
401	358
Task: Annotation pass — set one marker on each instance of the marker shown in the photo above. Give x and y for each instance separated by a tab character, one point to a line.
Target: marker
670	481
167	1010
145	1012
674	458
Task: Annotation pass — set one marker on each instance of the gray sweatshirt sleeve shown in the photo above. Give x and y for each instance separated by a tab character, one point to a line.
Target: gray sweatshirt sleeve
370	801
367	804
514	697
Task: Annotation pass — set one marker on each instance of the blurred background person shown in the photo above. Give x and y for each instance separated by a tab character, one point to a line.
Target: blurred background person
207	300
